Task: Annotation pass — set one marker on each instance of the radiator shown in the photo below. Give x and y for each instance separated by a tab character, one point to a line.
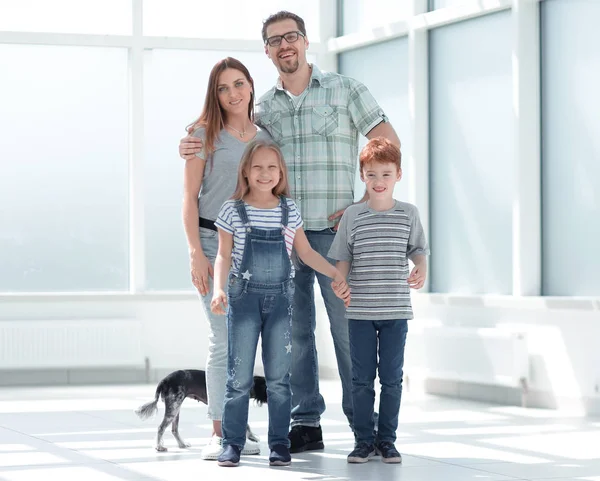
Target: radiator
478	355
70	343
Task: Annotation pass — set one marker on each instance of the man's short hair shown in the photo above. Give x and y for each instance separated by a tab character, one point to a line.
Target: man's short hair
278	17
380	149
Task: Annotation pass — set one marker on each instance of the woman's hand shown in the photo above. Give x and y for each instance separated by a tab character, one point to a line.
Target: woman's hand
201	270
218	304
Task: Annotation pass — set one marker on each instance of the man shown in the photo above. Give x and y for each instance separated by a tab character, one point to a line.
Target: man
316	118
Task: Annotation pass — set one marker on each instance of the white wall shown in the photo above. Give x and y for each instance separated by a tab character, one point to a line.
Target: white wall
562	335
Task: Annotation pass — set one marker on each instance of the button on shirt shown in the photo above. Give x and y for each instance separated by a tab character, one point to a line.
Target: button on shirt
318	134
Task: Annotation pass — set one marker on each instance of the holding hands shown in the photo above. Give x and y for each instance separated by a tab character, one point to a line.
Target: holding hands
340	288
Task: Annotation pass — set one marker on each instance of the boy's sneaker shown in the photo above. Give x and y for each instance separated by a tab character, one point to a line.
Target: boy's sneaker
280	456
305	438
362	453
389	453
214	448
230	457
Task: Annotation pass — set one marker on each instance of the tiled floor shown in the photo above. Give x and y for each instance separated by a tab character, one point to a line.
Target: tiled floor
92	434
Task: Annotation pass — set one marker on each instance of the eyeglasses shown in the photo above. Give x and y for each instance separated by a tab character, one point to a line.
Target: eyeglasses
290	37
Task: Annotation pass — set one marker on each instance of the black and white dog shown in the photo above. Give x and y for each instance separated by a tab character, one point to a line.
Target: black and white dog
191	383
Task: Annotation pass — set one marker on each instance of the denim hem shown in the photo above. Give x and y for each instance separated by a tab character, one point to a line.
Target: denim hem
310	424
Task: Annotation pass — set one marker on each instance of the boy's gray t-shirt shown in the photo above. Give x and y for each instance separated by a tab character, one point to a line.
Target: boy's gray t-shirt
378	245
220	172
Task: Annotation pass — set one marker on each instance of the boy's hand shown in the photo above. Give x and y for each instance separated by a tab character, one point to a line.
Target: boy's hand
417	276
218	304
189	146
341	289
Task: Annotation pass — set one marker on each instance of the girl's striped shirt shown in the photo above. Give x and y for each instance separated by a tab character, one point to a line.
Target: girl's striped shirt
230	222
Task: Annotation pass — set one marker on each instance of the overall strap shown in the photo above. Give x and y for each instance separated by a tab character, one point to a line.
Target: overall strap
285	211
241	210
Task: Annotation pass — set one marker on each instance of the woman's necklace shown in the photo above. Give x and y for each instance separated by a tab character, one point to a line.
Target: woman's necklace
241	133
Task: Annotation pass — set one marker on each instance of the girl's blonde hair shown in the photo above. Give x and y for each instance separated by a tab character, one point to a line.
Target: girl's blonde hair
242	188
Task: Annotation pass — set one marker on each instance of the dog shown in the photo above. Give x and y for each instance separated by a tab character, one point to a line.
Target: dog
190	383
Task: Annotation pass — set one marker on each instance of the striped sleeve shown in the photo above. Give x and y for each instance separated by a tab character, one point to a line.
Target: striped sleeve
295	217
225	218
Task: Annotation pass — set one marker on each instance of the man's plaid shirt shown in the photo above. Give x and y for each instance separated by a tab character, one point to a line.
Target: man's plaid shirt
318	134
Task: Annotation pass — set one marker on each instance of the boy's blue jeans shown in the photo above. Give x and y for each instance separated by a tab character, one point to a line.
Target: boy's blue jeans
308	403
257	313
364	339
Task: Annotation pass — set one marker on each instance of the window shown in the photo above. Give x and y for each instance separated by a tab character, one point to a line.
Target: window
359	15
570	147
64	164
105	17
390	91
239	19
471	156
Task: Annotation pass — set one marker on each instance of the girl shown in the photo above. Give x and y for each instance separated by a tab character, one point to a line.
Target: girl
257	230
225	128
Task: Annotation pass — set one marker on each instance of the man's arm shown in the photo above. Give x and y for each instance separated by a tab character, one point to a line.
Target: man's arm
385	129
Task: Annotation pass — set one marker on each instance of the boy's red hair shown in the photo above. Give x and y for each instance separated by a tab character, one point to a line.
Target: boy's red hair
380	149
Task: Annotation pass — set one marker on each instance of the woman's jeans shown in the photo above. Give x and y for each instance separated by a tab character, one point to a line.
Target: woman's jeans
216	361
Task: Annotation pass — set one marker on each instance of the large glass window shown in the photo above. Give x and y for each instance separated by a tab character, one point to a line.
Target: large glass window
102	17
390	91
471	156
570	147
64	169
238	19
171	103
359	15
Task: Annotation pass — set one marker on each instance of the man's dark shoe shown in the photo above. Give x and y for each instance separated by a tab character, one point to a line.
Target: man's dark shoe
230	456
361	453
305	438
389	453
280	456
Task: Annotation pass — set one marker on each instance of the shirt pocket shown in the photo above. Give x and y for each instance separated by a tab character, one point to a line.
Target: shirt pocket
272	124
325	120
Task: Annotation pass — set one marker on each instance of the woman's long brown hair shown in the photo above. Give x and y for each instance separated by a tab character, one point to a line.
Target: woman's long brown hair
212	117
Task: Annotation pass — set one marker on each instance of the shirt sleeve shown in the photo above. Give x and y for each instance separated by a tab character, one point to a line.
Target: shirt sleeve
225	218
341	248
417	244
364	109
295	214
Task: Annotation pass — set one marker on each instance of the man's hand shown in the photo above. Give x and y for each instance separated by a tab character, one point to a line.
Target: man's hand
337	215
189	146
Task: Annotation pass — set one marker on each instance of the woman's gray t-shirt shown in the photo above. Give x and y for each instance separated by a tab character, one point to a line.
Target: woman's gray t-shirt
220	172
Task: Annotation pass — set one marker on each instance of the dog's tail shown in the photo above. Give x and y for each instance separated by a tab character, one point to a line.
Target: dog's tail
148	409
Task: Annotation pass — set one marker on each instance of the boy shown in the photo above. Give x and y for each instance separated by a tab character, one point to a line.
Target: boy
374	241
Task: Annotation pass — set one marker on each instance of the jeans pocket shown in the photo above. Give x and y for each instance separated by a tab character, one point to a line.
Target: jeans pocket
235	291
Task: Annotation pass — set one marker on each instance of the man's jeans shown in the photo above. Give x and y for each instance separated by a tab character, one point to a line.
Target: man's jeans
308	404
364	336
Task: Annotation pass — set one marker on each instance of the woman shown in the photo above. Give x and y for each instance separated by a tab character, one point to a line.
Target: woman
225	127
